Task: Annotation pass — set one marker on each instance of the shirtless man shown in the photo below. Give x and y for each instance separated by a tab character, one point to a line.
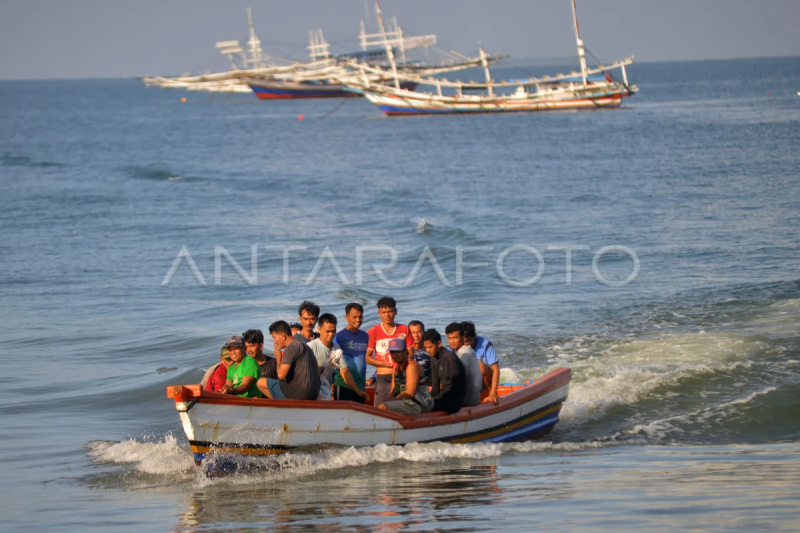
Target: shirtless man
378	347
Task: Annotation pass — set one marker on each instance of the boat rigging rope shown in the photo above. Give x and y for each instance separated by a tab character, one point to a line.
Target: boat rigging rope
335	109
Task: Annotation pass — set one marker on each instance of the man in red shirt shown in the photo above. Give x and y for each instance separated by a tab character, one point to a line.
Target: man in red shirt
378	347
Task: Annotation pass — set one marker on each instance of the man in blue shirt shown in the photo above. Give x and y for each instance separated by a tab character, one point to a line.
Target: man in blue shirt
349	382
487	357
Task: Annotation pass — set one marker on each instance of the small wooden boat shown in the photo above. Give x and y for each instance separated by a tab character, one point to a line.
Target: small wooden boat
223	424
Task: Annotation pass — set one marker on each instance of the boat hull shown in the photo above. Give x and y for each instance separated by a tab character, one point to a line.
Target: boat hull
220	424
285	90
398	106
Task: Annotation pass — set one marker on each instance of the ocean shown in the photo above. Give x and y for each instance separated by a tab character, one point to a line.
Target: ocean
652	249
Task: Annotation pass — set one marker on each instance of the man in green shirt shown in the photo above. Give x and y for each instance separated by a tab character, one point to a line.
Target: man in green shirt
243	372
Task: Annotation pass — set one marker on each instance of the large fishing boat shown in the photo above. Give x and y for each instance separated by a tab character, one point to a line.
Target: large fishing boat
229	425
588	89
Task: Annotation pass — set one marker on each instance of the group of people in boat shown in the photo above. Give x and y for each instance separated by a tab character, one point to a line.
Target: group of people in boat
414	374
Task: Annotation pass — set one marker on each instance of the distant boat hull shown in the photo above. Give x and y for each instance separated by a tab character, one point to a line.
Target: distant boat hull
402	106
285	90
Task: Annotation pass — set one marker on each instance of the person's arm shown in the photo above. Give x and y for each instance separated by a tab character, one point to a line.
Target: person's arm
243	387
412	378
347	376
278	353
283	370
377	363
227	387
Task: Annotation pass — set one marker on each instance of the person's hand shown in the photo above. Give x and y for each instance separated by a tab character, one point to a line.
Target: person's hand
363	394
225	390
493	398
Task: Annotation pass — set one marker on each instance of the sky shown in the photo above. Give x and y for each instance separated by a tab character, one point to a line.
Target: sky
116	38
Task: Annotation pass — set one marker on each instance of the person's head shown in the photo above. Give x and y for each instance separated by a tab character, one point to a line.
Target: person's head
387	310
253	341
397	349
235	346
225	357
309	313
416	328
327	328
281	334
354	313
470	336
432	342
296	328
455	335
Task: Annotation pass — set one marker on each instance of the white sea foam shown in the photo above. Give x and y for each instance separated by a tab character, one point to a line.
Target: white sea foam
170	458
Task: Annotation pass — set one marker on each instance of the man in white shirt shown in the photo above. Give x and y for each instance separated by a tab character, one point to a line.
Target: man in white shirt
323	345
472	368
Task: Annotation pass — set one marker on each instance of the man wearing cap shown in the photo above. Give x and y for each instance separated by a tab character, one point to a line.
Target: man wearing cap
410	395
219	374
243	372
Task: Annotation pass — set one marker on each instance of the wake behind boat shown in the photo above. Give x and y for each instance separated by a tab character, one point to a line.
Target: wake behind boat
224	424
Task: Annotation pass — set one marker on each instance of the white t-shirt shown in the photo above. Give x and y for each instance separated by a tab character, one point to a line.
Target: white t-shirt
322	352
472	368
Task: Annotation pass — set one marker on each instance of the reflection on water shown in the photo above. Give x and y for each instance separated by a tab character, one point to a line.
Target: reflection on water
653	488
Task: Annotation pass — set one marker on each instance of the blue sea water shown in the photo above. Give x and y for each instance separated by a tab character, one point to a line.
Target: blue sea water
683	337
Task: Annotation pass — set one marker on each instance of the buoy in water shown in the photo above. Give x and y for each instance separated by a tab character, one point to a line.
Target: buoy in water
767	94
300	117
183	100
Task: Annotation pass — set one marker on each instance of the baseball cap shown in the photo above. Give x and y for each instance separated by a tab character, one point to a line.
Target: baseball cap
223	353
235	340
397	345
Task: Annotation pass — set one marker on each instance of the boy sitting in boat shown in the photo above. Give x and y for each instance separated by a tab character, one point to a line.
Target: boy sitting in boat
298	372
243	372
219	374
487	358
254	344
447	374
408	386
472	368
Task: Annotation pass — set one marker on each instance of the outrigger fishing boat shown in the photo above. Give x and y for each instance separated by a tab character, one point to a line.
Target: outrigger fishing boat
588	89
225	425
320	77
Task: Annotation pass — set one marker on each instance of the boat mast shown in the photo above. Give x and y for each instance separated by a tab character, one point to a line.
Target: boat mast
254	42
389	52
486	72
581	53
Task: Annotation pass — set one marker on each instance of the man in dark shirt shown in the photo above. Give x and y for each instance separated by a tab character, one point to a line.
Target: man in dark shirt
448	378
298	373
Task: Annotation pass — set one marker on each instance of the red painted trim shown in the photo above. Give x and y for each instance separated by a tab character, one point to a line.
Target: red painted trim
509	399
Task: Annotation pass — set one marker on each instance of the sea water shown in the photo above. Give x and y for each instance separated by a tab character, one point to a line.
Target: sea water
679	314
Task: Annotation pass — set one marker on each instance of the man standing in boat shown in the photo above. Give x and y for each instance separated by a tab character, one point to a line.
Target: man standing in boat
379	337
309	313
472	369
447	374
298	373
487	358
349	382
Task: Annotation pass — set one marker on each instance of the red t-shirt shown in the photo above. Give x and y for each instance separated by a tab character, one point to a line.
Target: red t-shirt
217	379
379	341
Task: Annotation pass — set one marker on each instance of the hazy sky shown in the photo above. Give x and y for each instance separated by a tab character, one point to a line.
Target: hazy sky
113	38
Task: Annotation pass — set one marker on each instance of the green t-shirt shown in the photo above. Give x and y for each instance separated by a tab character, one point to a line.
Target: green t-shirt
248	367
